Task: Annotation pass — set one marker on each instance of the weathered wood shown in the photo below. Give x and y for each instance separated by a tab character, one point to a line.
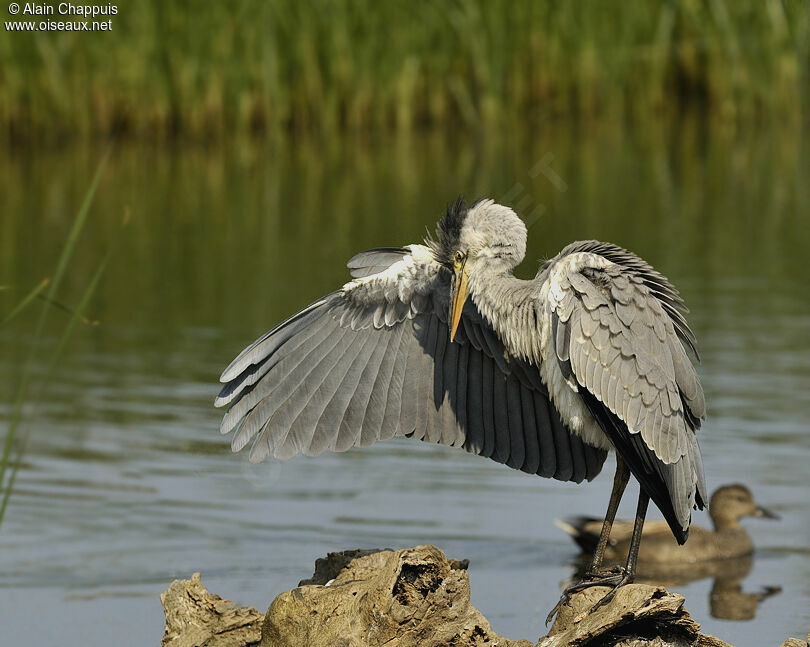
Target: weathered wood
796	642
415	597
197	618
639	615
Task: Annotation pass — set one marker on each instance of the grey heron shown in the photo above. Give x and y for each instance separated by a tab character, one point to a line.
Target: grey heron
442	343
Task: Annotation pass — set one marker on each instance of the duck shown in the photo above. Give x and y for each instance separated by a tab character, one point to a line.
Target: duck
727	540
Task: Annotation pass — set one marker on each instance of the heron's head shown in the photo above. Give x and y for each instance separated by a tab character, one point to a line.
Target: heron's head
470	240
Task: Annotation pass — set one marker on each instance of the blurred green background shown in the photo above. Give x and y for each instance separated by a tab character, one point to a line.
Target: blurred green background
243	66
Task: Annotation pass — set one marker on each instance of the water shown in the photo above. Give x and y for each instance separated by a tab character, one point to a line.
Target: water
127	483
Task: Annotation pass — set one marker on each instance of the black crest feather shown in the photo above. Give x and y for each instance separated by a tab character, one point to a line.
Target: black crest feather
448	233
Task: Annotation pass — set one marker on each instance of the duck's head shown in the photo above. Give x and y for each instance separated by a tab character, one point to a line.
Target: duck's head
732	502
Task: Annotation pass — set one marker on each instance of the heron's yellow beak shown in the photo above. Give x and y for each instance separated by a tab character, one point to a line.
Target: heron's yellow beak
458	296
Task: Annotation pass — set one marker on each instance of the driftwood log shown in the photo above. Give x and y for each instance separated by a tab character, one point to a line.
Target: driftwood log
796	642
413	597
639	615
405	598
197	618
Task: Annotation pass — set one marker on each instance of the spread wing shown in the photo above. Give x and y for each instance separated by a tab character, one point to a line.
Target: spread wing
619	337
373	360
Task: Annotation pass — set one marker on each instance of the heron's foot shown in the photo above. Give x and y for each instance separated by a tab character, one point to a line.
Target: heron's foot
623	578
613	576
605	571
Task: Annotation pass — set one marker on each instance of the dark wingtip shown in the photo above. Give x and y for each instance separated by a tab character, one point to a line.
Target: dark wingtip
680	534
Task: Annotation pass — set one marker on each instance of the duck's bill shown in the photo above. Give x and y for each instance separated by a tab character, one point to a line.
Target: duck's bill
764	513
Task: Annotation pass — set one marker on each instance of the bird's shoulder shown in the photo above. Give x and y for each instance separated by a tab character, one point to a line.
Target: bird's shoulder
613	325
602	310
388	275
610	305
611	273
599	273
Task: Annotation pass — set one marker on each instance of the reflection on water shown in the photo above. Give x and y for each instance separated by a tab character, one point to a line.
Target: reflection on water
727	599
127	483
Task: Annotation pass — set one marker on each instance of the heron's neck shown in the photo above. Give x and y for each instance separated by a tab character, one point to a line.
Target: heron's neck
507	303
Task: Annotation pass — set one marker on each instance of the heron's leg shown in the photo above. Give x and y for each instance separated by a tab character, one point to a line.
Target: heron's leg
593	577
632	556
620	576
620	479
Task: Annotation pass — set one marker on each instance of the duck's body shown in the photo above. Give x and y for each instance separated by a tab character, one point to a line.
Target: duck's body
658	546
727	540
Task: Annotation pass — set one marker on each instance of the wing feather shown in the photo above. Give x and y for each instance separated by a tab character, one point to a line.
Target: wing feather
562	446
488	404
262	403
578	464
359	405
246	398
531	462
391	419
335	395
375	261
548	456
372	422
626	352
458	423
500	403
408	403
287	414
517	449
424	371
373	360
444	426
339	412
475	440
264	347
307	437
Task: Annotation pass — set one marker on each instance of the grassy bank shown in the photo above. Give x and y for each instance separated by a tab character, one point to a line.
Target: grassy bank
219	68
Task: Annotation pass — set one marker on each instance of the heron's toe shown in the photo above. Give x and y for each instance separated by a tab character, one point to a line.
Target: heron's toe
605	572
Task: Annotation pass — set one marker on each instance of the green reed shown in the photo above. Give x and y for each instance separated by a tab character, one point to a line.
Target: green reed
27	393
334	65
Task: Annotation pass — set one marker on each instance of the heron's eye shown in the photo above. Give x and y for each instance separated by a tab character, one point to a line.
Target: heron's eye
459	257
